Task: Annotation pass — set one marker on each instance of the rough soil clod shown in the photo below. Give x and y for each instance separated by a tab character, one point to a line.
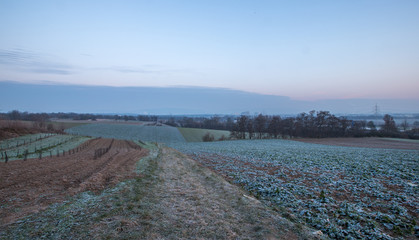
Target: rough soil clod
31	185
173	197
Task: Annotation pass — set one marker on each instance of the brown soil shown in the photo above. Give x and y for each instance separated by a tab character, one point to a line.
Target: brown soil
373	142
30	186
174	198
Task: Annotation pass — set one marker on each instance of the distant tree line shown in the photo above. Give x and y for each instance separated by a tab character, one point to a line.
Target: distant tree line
25	116
214	122
314	124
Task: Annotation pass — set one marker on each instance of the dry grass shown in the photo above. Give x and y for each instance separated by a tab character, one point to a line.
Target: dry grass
12	128
191	202
173	198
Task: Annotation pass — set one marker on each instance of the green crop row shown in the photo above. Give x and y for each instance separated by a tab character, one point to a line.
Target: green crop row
37	145
163	134
345	192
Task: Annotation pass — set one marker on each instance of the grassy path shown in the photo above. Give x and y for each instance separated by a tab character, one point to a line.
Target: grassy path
191	202
172	197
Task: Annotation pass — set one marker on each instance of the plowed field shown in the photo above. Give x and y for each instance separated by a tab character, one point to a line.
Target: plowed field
31	185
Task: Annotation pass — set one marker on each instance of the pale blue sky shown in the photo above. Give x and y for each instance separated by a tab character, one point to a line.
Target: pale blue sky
305	50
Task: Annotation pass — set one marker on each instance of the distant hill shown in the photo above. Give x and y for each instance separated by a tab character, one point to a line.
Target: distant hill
176	100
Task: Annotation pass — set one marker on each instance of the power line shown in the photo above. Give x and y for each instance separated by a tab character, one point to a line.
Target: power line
376	110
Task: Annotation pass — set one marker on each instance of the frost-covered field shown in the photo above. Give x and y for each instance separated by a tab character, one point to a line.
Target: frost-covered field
33	145
164	134
342	191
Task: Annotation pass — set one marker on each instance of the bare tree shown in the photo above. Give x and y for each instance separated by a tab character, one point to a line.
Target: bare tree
241	126
389	124
274	126
208	137
250	128
404	125
260	125
371	126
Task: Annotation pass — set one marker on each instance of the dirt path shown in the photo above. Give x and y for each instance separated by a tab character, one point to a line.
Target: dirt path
32	185
191	202
172	197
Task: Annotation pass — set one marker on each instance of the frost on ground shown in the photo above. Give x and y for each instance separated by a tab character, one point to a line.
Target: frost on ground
342	191
172	197
38	146
162	134
32	185
192	202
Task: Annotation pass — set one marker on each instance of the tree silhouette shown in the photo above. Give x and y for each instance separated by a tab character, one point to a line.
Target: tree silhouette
389	124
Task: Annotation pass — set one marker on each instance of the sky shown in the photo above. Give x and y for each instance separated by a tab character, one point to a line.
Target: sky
180	101
304	50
